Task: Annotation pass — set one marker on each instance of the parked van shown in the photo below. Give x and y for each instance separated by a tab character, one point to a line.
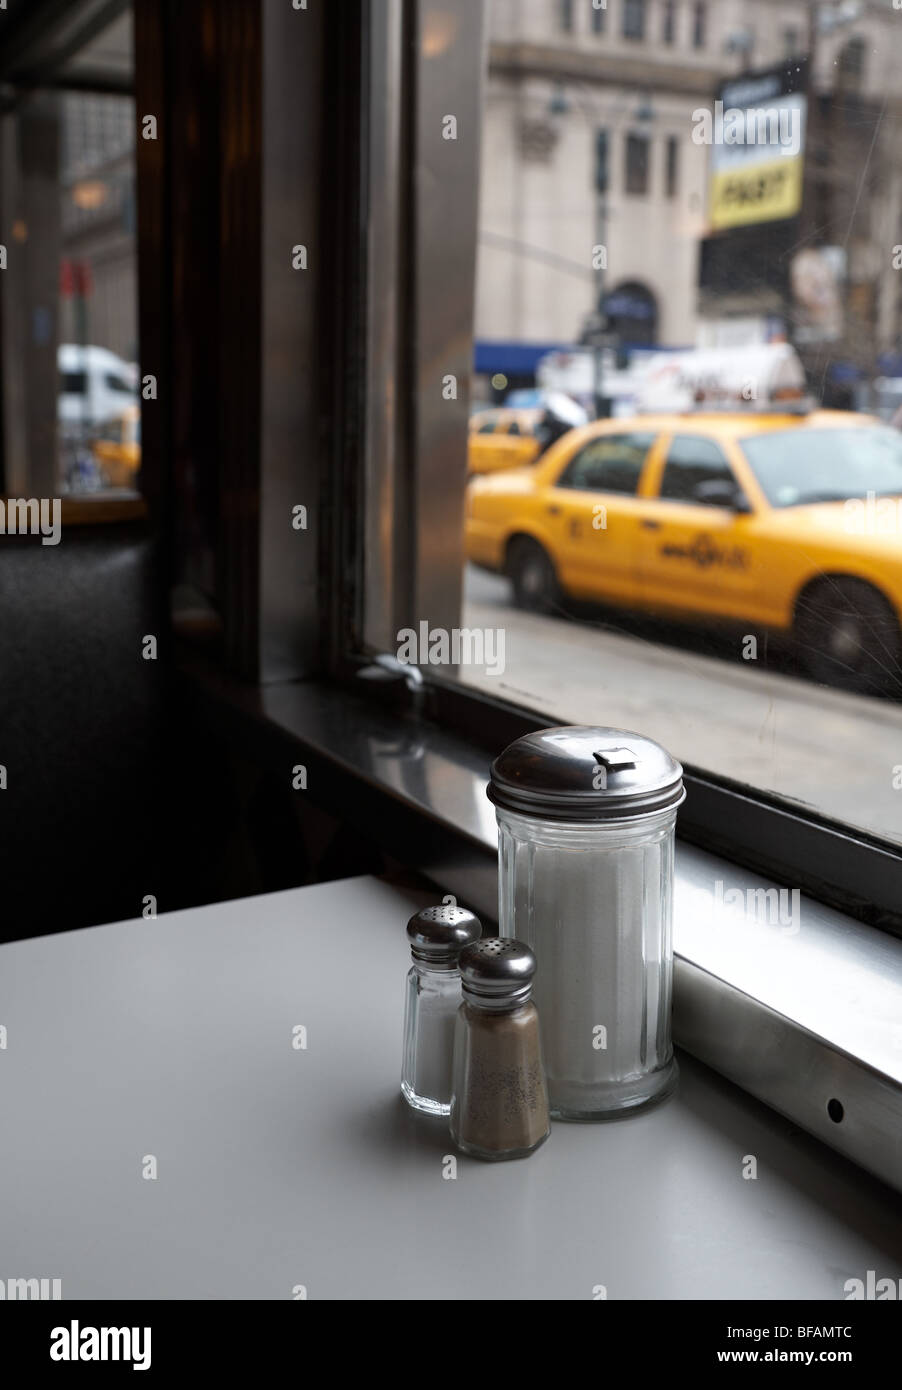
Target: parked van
94	385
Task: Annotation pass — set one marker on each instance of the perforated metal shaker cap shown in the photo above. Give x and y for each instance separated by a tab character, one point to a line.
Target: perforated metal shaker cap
437	935
497	972
581	773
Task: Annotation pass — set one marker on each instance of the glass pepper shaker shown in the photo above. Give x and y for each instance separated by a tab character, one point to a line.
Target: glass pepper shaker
586	822
437	935
499	1107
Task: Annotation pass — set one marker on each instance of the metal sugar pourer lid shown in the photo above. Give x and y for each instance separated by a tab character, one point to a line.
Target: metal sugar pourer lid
497	973
437	935
585	774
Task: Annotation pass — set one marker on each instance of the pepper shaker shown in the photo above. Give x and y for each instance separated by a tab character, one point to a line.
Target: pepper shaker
436	935
586	822
499	1107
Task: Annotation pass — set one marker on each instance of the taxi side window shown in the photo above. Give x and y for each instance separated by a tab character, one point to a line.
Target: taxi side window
693	464
487	428
513	427
612	463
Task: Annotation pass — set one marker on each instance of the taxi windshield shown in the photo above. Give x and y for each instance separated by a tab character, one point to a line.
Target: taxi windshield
796	467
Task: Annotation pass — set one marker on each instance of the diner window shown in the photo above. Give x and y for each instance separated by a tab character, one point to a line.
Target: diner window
78	367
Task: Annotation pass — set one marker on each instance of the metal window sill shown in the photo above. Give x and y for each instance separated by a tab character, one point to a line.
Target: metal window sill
804	1014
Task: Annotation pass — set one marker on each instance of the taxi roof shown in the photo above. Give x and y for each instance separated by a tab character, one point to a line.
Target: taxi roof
731	424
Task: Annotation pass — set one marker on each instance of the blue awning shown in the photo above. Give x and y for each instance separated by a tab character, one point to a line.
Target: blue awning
513	359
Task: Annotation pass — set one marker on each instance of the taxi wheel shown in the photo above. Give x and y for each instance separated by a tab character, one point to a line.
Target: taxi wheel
532	575
847	635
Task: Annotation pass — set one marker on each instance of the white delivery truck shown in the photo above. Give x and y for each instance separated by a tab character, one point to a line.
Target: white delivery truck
762	377
94	385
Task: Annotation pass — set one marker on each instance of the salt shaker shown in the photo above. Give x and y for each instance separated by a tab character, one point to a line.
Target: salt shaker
436	935
499	1107
586	829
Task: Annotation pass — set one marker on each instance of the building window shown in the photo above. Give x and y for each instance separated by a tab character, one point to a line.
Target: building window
851	66
699	24
672	166
566	13
598	16
668	22
637	164
791	43
634	19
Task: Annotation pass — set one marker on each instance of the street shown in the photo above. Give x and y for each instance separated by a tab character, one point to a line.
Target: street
829	750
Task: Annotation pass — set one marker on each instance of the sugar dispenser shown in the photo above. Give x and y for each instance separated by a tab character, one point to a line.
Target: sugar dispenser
586	822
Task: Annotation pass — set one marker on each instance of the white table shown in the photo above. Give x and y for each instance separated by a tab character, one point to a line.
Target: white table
280	1166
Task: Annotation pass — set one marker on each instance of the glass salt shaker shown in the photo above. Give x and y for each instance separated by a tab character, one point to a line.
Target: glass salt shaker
437	935
499	1107
586	822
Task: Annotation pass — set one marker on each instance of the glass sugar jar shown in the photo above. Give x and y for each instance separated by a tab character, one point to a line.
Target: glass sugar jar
437	935
586	821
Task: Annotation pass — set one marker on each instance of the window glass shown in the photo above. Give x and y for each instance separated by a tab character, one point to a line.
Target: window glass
634	19
742	298
610	464
699	23
673	155
692	462
636	164
70	188
835	465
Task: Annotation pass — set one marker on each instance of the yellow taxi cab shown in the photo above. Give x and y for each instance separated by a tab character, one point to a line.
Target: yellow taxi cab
117	447
502	439
787	522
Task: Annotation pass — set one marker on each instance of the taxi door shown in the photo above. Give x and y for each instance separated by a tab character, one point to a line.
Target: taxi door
593	511
696	549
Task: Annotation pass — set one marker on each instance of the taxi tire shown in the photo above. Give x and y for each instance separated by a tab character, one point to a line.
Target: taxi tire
847	635
532	575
